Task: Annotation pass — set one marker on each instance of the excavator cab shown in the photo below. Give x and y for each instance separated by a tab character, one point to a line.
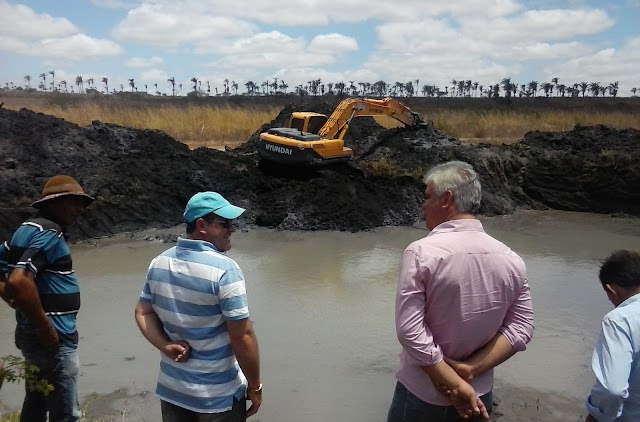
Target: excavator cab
306	121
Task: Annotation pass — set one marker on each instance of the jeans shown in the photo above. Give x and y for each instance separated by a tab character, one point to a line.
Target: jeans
60	369
174	413
406	407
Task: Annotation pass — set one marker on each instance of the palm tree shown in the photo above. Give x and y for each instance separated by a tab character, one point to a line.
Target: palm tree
547	87
64	84
132	84
583	87
339	86
53	78
506	86
353	89
44	81
234	86
180	86
105	81
594	87
613	89
561	89
283	87
555	83
379	88
250	87
633	91
329	88
533	87
226	86
194	80
28	79
79	82
172	81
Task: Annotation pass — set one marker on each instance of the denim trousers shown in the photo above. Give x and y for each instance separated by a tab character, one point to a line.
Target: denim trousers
406	407
174	413
60	369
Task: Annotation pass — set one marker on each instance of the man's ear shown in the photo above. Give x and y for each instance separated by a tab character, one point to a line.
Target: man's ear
447	199
611	290
200	225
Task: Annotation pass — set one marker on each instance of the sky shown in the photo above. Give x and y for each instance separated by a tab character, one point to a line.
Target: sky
296	41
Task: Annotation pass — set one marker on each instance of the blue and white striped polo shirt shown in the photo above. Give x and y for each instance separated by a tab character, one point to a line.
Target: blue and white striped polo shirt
193	289
39	246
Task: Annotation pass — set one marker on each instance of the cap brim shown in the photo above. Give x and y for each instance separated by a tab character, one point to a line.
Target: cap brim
87	199
230	212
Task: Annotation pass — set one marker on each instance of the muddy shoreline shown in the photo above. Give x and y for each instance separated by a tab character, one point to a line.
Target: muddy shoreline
513	404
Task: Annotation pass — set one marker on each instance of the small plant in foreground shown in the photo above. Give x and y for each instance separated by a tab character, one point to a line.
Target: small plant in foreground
14	369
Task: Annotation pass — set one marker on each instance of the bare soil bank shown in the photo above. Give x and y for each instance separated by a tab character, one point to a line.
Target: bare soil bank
143	178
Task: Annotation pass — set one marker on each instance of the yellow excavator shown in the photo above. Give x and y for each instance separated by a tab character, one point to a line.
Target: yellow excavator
313	139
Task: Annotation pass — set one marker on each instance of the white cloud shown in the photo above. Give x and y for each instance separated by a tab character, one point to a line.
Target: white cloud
604	66
142	62
274	50
543	51
74	48
113	4
156	75
286	13
172	25
539	25
24	32
20	22
332	44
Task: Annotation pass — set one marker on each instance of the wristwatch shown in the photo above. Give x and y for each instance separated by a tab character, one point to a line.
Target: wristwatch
257	390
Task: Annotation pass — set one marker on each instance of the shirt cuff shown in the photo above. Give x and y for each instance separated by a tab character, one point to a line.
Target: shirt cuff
597	413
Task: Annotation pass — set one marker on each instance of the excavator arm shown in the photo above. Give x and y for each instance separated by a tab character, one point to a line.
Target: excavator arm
338	123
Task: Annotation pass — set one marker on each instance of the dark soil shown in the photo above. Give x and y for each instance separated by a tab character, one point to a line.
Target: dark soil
143	178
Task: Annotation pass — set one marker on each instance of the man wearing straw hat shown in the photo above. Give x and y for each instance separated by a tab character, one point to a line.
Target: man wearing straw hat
43	288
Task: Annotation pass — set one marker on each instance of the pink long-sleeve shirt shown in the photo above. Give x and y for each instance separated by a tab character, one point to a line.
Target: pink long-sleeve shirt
458	288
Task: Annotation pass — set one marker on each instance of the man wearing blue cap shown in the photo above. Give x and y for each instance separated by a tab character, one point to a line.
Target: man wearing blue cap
193	308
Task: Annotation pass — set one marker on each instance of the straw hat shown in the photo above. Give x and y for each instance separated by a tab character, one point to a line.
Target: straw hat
59	186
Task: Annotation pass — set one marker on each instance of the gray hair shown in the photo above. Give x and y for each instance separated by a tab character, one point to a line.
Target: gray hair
461	180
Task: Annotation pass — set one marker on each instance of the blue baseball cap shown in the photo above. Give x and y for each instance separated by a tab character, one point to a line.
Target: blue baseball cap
203	203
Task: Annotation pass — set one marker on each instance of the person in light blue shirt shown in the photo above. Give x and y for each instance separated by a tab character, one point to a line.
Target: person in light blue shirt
193	308
616	357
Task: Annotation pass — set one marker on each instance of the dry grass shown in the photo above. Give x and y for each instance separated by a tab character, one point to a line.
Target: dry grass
508	127
216	126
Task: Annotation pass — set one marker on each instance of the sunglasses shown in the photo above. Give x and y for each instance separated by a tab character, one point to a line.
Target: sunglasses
227	224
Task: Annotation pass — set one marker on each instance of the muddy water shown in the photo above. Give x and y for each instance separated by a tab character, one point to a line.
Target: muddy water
323	309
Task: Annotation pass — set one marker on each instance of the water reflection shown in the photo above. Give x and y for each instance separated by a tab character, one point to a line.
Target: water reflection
323	308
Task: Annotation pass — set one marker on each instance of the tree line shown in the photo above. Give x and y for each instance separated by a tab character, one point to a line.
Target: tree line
277	86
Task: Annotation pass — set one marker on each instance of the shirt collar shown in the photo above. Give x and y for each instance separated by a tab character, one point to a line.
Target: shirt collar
196	245
632	299
463	225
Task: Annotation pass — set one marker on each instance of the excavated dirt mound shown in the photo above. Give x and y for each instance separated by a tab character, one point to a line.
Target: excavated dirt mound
143	178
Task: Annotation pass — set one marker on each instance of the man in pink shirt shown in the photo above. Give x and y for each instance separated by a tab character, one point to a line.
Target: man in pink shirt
463	306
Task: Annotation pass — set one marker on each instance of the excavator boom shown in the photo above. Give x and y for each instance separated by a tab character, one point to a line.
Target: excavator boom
338	123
